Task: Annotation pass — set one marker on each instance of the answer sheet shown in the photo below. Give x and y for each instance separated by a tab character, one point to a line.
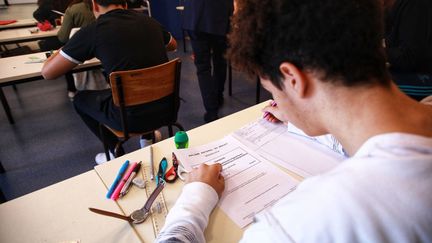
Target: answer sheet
296	153
251	183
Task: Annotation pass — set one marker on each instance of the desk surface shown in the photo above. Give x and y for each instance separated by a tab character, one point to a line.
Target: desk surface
24	34
59	213
20	24
221	228
15	68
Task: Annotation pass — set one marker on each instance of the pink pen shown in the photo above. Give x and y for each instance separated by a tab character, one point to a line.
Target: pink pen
266	114
116	192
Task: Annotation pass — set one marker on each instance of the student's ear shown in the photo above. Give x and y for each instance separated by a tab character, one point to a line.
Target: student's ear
294	79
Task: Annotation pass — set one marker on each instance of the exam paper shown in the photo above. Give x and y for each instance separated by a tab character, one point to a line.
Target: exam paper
275	143
251	183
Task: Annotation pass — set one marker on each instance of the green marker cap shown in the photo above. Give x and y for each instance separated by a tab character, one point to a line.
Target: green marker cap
181	139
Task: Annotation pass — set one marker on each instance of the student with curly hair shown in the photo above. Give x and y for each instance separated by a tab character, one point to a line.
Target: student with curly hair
324	64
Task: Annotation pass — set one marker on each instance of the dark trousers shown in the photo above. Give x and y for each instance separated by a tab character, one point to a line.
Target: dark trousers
96	106
416	85
70	82
210	49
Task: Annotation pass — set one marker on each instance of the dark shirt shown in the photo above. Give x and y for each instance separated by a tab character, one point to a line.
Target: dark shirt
121	40
409	36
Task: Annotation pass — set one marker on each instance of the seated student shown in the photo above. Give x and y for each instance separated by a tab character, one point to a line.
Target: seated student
324	64
408	41
121	40
44	12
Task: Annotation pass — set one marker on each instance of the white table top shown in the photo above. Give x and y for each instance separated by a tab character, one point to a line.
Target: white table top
24	34
59	213
19	24
221	228
15	68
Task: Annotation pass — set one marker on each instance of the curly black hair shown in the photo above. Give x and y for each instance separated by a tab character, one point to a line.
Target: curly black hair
341	39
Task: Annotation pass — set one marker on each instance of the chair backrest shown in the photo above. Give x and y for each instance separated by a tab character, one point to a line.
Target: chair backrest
140	86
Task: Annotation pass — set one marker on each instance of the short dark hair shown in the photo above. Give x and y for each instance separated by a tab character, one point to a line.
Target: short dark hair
341	39
110	2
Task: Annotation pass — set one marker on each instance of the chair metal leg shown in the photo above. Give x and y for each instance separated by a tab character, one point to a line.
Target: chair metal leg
2	169
6	107
118	151
258	91
104	142
2	196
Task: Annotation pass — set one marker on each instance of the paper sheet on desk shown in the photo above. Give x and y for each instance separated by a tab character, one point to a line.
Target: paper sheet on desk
251	183
276	144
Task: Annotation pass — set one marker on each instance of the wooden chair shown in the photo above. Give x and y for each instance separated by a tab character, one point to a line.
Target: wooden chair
137	87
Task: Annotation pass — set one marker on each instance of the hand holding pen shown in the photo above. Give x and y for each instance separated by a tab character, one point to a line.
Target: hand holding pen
270	111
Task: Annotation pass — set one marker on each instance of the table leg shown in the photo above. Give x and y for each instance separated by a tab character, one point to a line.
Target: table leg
2	170
6	107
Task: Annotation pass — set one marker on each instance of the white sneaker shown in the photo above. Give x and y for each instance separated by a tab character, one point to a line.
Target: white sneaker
71	95
101	158
147	142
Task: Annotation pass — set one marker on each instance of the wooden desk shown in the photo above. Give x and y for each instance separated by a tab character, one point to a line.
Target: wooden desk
14	70
59	213
21	23
220	228
13	36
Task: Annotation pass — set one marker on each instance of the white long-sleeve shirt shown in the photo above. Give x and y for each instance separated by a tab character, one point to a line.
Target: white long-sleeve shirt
381	194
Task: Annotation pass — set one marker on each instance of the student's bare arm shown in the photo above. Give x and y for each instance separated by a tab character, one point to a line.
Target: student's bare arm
56	65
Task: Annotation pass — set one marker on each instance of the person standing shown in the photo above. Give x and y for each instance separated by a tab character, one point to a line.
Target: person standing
121	40
207	23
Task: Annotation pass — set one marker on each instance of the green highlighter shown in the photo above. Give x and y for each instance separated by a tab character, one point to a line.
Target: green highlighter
181	140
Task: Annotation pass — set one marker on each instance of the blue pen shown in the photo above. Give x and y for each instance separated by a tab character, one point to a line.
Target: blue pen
118	178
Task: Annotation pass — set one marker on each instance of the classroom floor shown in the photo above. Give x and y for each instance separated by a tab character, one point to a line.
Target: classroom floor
49	143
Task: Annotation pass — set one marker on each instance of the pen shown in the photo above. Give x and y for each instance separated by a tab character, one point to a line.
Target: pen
151	163
266	114
117	179
126	186
116	193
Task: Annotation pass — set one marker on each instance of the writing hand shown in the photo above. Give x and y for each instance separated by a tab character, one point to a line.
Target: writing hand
209	174
272	113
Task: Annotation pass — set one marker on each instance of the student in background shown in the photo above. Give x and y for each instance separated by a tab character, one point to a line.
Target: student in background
324	64
121	40
408	42
44	12
78	14
207	23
